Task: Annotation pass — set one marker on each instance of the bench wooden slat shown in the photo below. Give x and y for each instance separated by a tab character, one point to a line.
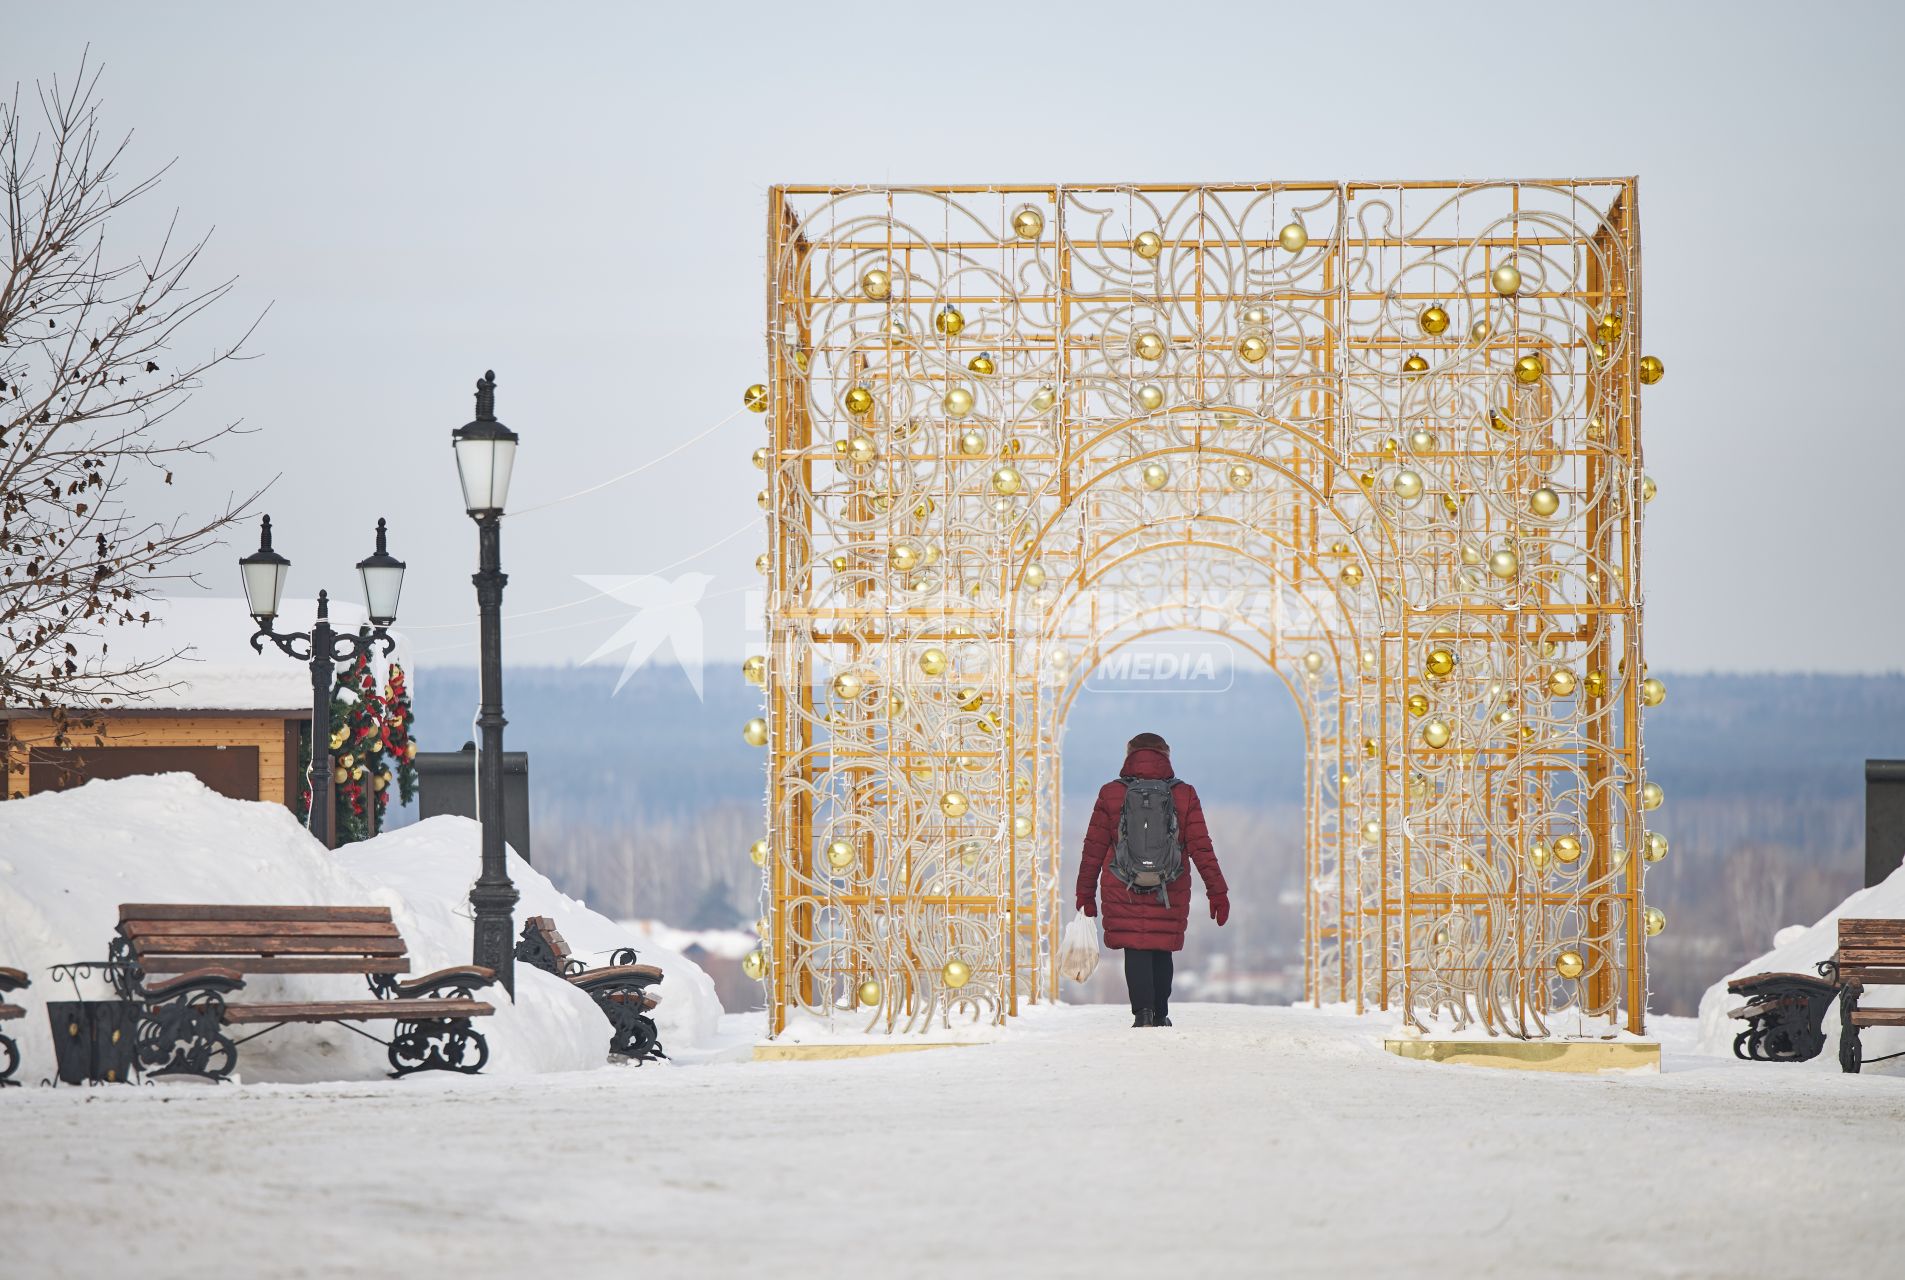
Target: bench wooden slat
1745	985
615	973
1872	955
1873	977
1878	1017
8	1012
200	911
10	978
358	1011
278	964
1871	928
268	945
281	928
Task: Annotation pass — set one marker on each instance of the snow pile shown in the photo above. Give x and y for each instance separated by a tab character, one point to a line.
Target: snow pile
1798	949
68	859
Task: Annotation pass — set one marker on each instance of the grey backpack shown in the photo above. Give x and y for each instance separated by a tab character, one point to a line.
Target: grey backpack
1149	854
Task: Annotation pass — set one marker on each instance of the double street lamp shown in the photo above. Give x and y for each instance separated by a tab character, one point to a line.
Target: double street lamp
322	647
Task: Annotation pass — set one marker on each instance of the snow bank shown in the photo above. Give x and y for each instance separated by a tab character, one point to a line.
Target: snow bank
68	859
1799	949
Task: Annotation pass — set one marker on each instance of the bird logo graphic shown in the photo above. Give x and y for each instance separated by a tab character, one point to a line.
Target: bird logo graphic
667	612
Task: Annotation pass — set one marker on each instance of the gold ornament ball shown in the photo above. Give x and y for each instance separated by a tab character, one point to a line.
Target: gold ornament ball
1506	279
949	322
1293	237
858	401
981	364
1253	348
754	965
1240	476
1655	847
1538	855
1651	370
1372	831
1654	920
1561	683
1149	345
1312	662
1022	826
1567	849
1436	734
902	557
1503	564
1479	331
1528	370
933	662
1352	575
1652	692
1035	576
848	686
754	669
861	449
1544	502
1651	796
1028	223
1569	964
1595	684
876	284
958	402
1418	705
757	852
755	398
1407	486
868	992
1147	245
754	732
953	804
972	444
956	974
1150	396
1648	489
1256	315
1155	475
1007	481
1042	399
1422	440
1433	320
1608	327
760	459
840	855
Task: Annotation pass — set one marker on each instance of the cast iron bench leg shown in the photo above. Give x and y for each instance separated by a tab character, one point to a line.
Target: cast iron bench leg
438	1044
1851	1052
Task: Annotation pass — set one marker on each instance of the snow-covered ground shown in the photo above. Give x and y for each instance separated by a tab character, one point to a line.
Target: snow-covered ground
1245	1141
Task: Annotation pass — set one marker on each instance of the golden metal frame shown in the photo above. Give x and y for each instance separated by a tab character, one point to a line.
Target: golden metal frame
1015	428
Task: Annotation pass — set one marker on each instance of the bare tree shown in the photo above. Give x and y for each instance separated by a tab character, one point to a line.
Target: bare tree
90	378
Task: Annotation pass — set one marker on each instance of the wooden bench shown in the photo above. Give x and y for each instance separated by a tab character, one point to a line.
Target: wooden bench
1785	1016
619	990
182	962
1871	954
10	980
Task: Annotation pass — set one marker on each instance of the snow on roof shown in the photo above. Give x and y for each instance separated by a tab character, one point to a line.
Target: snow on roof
216	669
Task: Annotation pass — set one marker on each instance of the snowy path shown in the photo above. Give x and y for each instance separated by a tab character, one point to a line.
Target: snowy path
1285	1142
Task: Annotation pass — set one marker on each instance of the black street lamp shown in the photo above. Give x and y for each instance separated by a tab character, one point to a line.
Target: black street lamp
485	456
264	572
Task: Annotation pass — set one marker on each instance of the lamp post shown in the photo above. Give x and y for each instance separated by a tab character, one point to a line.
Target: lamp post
485	456
322	647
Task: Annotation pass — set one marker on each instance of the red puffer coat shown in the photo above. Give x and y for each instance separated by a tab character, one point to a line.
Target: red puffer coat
1138	919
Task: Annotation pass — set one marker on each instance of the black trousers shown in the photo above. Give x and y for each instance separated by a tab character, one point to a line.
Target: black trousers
1147	974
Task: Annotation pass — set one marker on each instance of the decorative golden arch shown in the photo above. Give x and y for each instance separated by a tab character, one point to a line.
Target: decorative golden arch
1383	435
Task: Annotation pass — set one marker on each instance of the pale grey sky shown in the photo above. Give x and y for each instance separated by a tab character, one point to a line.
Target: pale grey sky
574	195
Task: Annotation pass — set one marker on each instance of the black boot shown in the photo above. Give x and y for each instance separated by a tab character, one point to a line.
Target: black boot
1164	1020
1145	1018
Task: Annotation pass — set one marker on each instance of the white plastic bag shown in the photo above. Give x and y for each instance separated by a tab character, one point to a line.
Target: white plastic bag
1078	949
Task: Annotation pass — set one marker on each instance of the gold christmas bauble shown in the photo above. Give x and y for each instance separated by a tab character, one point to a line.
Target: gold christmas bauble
1239	476
760	459
1655	847
876	284
1155	475
1406	485
1544	501
755	398
1372	831
1313	662
1569	964
1561	683
757	852
1651	796
1608	327
1439	663
1042	399
933	662
949	321
958	402
956	974
1436	734
1652	692
1007	481
1479	331
1538	855
340	776
1035	576
1648	489
1506	279
868	992
1028	223
1150	396
858	400
1567	849
861	449
840	855
1415	365
953	804
1651	370
1352	575
1293	237
1654	920
848	686
754	732
1422	440
1148	344
1529	369
1595	684
1418	705
1253	348
1503	564
754	669
1022	826
1147	245
972	444
754	965
1433	320
902	556
981	364
1256	316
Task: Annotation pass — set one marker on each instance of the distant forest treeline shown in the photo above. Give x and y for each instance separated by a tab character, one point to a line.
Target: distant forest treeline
644	802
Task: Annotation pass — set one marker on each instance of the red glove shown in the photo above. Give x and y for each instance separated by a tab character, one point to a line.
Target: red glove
1089	906
1220	910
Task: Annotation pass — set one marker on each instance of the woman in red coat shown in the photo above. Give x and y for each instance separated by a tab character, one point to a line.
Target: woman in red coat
1147	928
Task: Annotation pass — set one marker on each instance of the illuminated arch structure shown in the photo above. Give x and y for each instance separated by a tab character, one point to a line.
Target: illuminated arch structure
1385	436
